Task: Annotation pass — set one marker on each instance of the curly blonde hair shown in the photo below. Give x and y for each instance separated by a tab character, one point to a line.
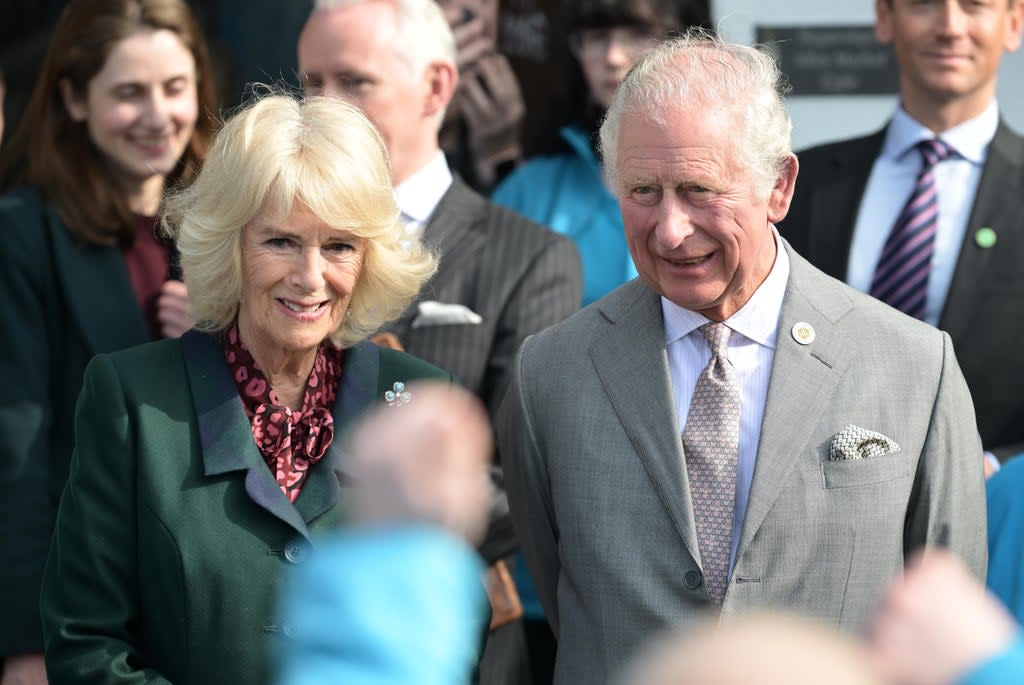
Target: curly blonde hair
278	150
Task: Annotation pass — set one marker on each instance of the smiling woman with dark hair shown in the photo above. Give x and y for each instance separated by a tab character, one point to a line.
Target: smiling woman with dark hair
122	109
203	465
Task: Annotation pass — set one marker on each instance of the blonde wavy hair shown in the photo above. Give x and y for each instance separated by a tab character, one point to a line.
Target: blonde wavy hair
277	151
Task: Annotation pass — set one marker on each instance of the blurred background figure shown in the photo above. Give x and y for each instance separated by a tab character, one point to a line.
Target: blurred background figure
483	124
203	465
122	110
395	600
757	649
938	626
567	191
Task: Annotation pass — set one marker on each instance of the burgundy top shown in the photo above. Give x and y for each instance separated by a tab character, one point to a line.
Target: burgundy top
147	260
290	441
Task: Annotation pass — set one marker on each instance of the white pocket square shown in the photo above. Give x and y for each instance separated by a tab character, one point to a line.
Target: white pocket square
854	442
433	313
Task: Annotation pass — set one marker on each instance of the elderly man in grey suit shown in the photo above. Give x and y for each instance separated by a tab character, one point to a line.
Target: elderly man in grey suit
501	276
734	429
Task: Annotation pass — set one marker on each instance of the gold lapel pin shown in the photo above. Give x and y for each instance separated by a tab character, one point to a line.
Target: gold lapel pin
803	332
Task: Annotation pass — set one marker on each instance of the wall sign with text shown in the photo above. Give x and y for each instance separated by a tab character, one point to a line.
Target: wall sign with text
832	60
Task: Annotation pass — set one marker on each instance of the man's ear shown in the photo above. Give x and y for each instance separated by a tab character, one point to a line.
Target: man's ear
73	104
1012	28
883	21
442	79
782	193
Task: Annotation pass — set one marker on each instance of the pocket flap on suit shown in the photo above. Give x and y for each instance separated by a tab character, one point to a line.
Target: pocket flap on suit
849	473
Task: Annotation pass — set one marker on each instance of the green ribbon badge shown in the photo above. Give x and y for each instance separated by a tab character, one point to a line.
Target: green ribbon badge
985	237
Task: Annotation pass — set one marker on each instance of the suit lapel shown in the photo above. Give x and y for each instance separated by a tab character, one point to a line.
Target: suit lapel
225	433
98	292
450	235
633	367
996	206
835	204
803	379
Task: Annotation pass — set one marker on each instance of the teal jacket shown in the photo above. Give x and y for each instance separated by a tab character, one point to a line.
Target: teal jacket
172	534
566	192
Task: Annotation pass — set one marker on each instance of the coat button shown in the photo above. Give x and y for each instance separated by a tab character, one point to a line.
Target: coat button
693	579
288	631
296	552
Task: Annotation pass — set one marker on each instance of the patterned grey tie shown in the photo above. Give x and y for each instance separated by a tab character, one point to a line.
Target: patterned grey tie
710	442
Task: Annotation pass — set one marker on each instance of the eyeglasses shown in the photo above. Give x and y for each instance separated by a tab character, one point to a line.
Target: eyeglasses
634	40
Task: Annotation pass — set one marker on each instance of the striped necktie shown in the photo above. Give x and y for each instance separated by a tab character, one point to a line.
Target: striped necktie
901	276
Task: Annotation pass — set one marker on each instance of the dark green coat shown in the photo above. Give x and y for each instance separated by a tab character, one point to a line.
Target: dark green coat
61	302
172	533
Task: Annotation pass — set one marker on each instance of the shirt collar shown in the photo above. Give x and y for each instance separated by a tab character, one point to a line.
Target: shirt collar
757	320
418	195
970	139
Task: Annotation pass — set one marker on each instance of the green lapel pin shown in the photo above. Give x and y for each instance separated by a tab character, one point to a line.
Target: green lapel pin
985	237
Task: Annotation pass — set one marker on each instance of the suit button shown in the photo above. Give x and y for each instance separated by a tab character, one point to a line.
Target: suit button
693	579
296	552
288	631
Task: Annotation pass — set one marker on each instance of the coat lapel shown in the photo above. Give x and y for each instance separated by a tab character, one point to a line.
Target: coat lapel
633	367
836	203
98	292
803	379
357	390
225	434
996	206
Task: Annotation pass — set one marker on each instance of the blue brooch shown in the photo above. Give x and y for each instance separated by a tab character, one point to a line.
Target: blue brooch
397	396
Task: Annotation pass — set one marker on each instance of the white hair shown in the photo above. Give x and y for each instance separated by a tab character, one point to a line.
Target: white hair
707	74
423	34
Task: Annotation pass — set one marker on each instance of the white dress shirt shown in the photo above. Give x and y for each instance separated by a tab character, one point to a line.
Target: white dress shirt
751	351
890	183
418	196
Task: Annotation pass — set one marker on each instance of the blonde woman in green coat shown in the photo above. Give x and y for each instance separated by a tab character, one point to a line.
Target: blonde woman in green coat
203	466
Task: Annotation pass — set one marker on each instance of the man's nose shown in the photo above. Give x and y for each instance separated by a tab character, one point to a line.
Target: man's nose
674	223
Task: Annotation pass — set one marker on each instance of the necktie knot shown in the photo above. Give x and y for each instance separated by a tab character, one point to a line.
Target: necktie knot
717	334
934	151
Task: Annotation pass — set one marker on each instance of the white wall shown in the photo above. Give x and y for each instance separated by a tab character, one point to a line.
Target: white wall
817	119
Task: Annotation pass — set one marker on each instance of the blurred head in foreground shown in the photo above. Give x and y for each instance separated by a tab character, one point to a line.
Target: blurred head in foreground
758	649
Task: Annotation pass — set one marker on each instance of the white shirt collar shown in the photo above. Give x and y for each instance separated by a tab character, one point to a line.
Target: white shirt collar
970	139
417	196
757	320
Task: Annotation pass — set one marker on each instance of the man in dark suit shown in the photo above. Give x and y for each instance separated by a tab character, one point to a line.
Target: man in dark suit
966	250
501	277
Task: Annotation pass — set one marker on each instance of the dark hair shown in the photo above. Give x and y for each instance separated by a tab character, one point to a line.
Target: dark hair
671	15
52	151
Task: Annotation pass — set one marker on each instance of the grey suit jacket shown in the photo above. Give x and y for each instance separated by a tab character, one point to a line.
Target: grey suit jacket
982	309
599	494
